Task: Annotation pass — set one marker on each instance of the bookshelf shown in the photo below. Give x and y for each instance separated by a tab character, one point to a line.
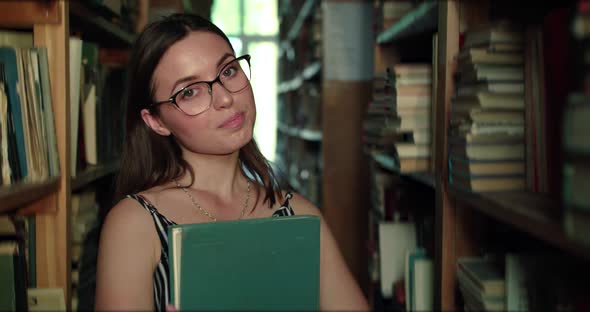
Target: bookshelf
299	131
465	221
50	202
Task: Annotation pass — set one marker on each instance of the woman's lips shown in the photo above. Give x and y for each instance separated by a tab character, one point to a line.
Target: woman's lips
234	121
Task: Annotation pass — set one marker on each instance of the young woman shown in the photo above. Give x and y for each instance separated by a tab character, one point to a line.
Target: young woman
189	157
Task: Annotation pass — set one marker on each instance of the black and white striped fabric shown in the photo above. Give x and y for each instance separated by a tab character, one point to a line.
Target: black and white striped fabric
162	272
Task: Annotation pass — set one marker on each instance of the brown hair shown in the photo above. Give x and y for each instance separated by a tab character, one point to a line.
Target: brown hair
150	159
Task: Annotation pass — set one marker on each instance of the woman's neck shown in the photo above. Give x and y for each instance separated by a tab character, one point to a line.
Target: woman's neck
218	174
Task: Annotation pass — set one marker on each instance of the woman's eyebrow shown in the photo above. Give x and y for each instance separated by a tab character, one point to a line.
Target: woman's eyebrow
182	80
223	58
195	77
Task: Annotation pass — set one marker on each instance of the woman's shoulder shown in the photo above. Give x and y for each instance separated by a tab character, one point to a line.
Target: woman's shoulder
128	217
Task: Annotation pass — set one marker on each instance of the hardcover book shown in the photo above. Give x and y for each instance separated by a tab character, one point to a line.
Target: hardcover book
251	264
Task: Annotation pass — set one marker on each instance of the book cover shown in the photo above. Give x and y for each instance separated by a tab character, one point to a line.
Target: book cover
253	264
8	58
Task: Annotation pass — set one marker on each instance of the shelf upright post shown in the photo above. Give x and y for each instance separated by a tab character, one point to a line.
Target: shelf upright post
53	230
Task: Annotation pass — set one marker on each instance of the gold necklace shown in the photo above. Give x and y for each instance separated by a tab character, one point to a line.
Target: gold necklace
207	213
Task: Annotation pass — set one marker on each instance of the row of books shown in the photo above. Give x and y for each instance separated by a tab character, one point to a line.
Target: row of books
97	110
400	243
487	127
27	126
518	282
84	216
18	291
28	149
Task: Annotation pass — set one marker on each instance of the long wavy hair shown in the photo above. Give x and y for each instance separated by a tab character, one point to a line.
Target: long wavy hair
150	159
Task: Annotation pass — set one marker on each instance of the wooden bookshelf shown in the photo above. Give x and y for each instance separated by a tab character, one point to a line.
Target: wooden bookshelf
423	18
299	140
98	28
93	173
16	198
51	23
533	213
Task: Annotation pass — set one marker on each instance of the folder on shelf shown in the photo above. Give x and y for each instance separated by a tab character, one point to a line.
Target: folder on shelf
253	264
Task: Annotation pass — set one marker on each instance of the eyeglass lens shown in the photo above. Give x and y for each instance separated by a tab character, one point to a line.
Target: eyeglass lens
196	98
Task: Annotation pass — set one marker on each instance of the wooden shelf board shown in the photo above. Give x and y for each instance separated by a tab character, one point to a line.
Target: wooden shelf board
422	19
532	213
385	161
425	178
14	197
305	134
311	70
93	173
290	85
96	27
308	73
19	13
310	135
291	131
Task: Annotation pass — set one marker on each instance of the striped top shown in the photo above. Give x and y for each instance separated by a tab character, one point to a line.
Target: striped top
162	271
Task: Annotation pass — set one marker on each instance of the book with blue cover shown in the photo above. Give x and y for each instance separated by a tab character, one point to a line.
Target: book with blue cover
252	264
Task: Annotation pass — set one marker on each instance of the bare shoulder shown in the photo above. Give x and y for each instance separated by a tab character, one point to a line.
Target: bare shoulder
302	206
127	218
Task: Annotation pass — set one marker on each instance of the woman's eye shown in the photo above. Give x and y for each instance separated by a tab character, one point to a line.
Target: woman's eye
190	92
230	71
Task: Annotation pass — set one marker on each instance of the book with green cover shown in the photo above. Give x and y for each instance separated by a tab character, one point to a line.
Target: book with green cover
251	264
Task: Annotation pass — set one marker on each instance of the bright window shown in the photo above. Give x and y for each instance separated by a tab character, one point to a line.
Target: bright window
252	26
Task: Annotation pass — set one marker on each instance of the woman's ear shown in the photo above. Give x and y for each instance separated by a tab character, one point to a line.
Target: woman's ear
154	122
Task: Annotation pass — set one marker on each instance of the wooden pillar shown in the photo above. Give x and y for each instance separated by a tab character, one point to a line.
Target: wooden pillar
346	90
448	47
53	262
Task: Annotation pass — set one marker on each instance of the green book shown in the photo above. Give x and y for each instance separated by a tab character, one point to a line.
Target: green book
253	264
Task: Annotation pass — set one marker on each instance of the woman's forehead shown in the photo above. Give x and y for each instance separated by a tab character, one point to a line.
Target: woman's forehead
196	54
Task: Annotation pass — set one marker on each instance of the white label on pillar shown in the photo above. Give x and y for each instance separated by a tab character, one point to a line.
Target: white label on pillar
348	40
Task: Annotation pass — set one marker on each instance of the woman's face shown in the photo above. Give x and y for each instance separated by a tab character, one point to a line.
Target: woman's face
228	123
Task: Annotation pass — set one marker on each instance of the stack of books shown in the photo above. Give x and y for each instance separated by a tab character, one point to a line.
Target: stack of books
482	284
398	122
413	104
378	126
487	127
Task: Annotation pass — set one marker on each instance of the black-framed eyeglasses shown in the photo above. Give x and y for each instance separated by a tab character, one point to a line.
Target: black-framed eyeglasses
196	97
